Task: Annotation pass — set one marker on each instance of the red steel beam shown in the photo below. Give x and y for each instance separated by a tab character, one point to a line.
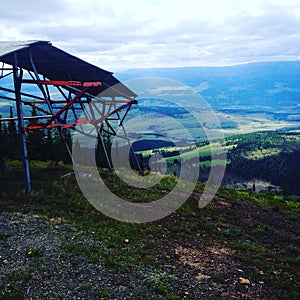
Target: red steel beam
32	104
122	107
67	106
63	82
80	121
128	103
25	118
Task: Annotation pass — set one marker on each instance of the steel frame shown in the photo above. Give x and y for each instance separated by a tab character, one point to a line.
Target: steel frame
62	113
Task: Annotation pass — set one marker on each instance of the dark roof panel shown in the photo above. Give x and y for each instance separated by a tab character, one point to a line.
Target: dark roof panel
56	64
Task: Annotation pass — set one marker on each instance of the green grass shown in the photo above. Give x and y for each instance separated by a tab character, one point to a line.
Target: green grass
200	152
261	153
246	225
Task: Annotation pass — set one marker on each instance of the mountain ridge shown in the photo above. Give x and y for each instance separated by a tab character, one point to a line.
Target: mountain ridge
254	94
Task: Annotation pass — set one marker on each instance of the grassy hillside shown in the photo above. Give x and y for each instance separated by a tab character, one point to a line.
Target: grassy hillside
269	156
242	245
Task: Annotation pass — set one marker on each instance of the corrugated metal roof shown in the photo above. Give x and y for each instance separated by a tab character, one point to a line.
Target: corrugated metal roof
56	64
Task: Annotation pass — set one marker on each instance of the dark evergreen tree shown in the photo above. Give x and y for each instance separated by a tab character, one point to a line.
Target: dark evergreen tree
2	137
1	140
141	161
78	153
103	149
13	149
5	139
56	147
66	146
35	140
48	146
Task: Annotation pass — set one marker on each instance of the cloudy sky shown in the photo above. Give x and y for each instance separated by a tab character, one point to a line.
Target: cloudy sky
125	34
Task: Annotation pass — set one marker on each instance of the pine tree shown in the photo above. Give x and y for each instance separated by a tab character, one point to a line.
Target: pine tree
13	138
35	140
56	147
1	146
78	153
1	140
5	138
59	151
101	159
68	140
48	146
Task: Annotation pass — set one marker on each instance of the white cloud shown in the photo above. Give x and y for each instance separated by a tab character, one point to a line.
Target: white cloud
126	34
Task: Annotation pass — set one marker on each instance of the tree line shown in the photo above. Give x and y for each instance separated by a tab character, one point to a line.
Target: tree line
281	168
46	144
42	145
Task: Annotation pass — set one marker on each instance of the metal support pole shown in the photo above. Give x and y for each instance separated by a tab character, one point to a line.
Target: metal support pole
64	141
17	85
121	120
40	85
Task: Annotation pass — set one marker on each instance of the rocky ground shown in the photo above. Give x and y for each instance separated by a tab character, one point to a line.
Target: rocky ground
44	258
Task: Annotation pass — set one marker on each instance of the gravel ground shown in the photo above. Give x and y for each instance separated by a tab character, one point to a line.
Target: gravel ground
34	259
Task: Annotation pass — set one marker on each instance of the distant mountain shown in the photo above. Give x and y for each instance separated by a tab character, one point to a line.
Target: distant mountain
246	98
263	86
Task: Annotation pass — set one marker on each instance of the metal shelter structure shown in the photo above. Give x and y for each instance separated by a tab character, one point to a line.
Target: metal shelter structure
66	91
